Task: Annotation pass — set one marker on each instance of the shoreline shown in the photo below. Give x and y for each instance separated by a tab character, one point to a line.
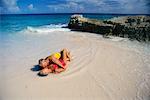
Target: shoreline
100	69
132	27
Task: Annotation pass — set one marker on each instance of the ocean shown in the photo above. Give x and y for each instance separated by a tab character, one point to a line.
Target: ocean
11	24
19	27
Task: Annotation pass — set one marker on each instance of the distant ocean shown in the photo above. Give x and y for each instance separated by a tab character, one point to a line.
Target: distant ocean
12	23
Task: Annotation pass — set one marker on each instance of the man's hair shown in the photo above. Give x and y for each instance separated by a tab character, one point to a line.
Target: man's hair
40	60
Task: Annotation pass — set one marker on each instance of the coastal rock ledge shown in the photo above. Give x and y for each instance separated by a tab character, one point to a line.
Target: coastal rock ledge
132	27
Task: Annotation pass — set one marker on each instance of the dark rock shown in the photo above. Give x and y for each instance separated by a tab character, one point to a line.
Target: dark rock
133	27
80	23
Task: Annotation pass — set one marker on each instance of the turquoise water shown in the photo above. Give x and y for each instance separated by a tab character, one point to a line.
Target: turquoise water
13	23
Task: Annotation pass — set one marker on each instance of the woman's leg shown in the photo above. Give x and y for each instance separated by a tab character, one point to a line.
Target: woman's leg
56	61
68	56
64	56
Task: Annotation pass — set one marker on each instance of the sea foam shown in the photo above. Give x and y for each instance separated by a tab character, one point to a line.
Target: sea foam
45	29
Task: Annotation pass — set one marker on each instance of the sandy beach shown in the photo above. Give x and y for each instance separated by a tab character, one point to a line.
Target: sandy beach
101	69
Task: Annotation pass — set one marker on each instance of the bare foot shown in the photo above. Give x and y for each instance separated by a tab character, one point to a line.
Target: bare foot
69	57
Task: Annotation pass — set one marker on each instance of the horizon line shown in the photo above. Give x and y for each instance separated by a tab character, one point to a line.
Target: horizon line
74	13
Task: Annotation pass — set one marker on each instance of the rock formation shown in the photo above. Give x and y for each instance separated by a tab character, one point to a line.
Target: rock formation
133	27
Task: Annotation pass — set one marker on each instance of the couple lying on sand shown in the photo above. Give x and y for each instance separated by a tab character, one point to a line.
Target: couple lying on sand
55	63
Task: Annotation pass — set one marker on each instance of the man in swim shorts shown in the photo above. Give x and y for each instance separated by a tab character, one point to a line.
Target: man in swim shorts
55	63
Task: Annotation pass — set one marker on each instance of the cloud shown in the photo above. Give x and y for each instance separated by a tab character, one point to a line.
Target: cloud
30	7
68	6
10	5
134	6
101	6
1	10
77	6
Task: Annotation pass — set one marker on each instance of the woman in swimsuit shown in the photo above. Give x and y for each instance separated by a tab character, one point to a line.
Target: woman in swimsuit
55	63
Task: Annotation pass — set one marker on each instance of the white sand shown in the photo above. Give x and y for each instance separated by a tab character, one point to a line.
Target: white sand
101	69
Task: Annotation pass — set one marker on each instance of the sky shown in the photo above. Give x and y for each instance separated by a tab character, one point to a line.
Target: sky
74	6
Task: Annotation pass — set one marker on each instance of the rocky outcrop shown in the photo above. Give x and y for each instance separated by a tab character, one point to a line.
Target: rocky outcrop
133	27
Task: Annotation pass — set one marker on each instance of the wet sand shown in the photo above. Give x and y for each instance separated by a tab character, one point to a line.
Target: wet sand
101	69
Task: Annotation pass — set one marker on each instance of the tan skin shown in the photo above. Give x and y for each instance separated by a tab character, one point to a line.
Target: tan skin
48	68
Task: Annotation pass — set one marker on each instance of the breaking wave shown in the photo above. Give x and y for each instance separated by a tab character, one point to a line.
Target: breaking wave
45	29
